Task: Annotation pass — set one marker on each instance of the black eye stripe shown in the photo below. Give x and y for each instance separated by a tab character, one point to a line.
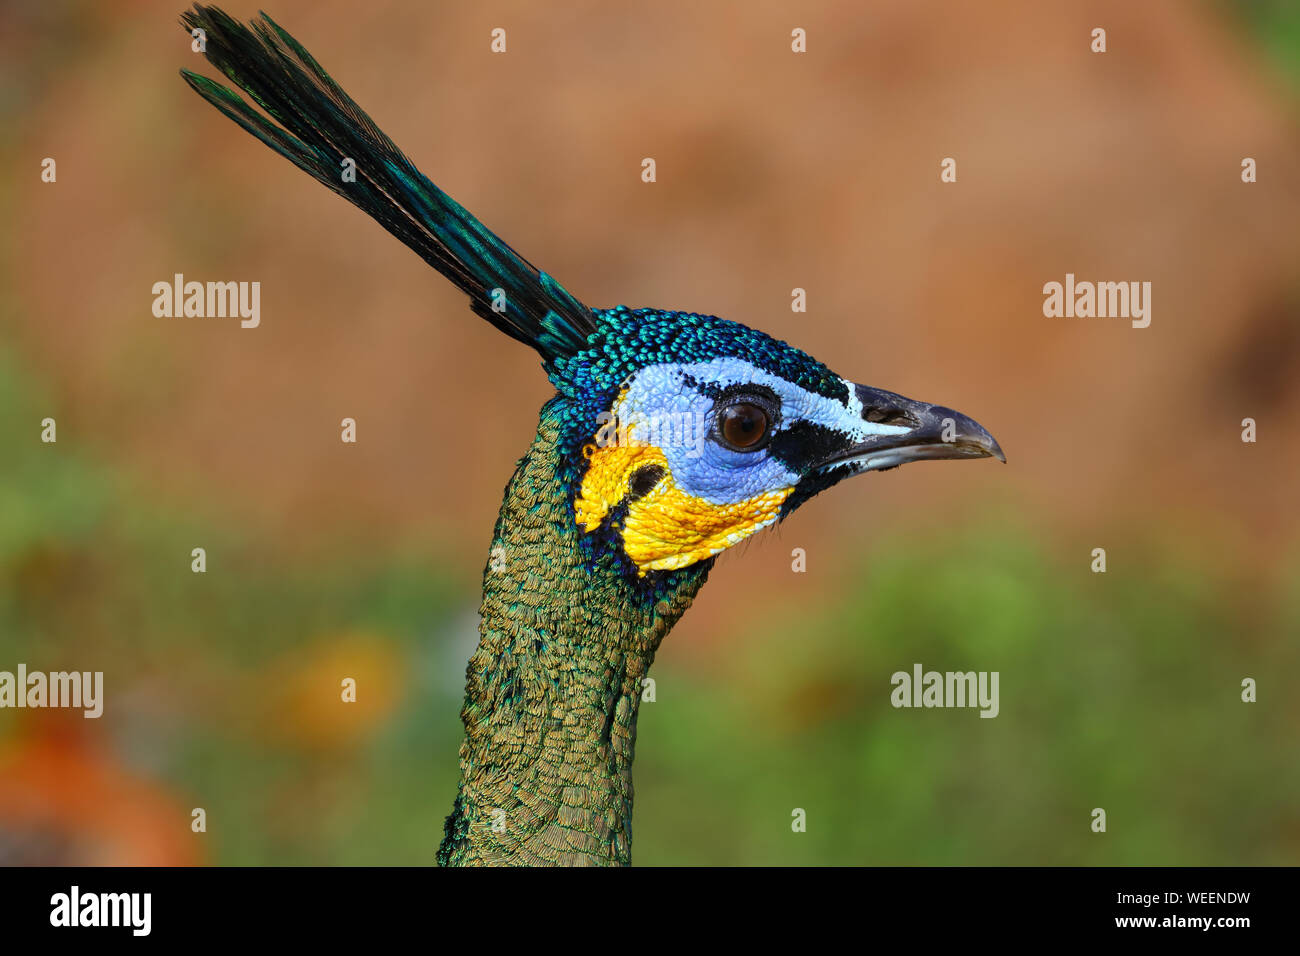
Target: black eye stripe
801	443
722	392
766	396
827	385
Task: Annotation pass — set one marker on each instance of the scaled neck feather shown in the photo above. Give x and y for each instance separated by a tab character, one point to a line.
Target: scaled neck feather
567	634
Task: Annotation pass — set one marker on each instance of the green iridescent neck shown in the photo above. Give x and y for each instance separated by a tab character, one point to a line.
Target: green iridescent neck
567	636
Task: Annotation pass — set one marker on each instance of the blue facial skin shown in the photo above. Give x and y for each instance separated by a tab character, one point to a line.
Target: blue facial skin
673	370
674	406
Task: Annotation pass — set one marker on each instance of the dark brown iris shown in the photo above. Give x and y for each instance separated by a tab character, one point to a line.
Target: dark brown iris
743	424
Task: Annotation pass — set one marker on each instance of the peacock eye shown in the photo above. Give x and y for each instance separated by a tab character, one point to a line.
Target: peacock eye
743	425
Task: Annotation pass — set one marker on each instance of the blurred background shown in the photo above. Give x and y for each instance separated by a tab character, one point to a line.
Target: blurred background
1118	690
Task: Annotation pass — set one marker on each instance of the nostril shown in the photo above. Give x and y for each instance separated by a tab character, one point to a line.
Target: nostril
885	415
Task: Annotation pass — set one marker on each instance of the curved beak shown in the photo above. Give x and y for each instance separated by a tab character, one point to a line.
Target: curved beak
912	431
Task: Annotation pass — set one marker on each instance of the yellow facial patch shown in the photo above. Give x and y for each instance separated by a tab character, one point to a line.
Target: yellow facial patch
667	528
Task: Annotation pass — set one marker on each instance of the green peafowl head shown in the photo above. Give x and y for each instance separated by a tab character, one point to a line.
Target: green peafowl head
690	433
683	434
